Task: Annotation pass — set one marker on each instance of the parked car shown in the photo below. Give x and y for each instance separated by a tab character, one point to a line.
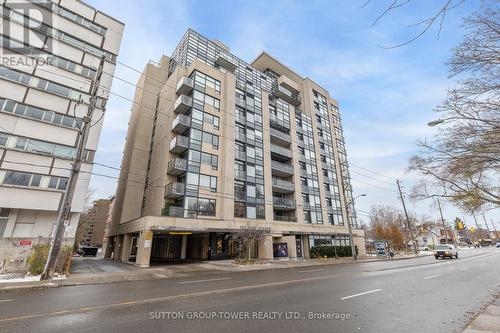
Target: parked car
497	245
446	250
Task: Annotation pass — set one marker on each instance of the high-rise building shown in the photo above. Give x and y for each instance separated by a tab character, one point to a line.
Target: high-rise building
50	53
92	224
216	147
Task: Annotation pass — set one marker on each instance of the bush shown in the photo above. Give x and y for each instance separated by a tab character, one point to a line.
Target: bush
328	251
38	257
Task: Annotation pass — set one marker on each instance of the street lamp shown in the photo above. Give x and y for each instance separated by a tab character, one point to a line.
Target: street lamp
353	248
435	122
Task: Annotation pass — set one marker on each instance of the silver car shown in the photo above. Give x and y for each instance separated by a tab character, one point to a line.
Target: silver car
445	250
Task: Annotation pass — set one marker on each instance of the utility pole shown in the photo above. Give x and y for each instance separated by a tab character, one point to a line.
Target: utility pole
487	228
494	228
67	197
407	218
478	230
442	221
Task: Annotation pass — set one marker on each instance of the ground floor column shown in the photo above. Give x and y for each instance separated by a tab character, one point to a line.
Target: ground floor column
117	247
144	248
126	244
291	246
305	246
183	246
266	247
108	249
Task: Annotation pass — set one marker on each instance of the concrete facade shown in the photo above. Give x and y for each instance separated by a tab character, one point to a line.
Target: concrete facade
92	224
50	53
217	147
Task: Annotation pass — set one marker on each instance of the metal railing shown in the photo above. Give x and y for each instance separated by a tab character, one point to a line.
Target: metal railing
286	168
283	184
173	211
283	202
281	150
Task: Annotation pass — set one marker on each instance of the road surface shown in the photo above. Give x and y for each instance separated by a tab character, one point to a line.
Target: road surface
414	295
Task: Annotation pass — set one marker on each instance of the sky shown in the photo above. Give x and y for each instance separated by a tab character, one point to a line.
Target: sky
386	95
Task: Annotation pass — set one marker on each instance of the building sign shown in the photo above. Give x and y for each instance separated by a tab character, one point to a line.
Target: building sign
25	242
255	228
280	250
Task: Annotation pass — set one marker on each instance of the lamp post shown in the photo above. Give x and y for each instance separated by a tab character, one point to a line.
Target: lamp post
353	248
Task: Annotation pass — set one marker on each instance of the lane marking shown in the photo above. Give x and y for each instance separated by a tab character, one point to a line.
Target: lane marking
463	269
5	300
432	276
363	293
207	280
311	270
166	298
482	264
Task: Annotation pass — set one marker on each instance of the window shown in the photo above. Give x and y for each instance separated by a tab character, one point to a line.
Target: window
3	139
58	183
17	178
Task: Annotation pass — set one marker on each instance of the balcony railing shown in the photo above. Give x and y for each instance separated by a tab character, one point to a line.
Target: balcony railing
281	169
177	166
240	155
281	152
283	186
288	96
173	211
280	137
280	123
241	136
184	86
283	203
175	190
183	104
285	218
181	123
241	175
179	144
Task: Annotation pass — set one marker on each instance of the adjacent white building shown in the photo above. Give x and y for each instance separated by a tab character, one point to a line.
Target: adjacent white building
50	52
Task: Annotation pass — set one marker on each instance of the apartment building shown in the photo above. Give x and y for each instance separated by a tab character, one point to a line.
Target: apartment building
50	53
92	224
217	146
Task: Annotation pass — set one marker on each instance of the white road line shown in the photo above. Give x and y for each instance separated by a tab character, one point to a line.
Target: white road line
208	280
5	300
463	269
431	277
311	270
363	293
482	264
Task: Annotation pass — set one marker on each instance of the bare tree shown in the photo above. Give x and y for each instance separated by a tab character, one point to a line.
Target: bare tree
388	223
462	162
244	238
437	18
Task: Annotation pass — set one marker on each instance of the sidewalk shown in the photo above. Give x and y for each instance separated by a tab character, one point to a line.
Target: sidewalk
182	270
488	321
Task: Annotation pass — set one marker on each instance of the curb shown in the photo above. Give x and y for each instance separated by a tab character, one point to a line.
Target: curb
67	283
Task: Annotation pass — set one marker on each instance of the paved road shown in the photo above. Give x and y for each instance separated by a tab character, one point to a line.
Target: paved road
414	295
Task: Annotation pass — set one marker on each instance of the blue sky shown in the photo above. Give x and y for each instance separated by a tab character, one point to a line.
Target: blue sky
386	95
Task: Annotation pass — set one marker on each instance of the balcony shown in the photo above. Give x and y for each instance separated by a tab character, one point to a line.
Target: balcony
287	95
241	137
174	190
286	218
183	104
280	153
179	144
181	123
283	186
240	155
226	63
173	211
184	86
278	123
288	84
283	203
241	175
177	166
281	169
280	138
241	102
